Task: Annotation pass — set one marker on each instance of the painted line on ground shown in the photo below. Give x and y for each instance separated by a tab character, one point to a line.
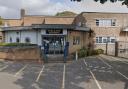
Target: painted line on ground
92	74
116	59
104	62
114	69
1	69
119	60
63	81
21	70
38	77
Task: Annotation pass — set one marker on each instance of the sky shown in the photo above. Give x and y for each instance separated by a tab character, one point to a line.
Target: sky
11	8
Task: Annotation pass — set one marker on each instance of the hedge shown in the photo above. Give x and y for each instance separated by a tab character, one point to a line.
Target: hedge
17	44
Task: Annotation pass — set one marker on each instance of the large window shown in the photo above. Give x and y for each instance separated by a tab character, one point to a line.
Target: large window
105	40
105	22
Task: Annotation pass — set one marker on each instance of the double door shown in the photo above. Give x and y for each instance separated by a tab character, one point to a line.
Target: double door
54	44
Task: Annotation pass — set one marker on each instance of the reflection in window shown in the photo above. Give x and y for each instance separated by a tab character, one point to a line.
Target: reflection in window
17	40
10	40
27	40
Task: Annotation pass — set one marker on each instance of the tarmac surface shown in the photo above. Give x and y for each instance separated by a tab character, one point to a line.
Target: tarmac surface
97	72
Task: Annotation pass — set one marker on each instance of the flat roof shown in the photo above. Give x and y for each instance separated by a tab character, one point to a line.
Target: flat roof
46	26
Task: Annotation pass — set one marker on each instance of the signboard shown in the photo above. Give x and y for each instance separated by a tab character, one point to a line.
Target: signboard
54	31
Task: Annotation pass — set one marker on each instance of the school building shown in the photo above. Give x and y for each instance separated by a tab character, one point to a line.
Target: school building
88	29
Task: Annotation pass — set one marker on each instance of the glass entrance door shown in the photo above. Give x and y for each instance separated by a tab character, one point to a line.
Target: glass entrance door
55	44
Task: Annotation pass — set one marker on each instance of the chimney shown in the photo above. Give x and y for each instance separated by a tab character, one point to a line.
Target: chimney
22	13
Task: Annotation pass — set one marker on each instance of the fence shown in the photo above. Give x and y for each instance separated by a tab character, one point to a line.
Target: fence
119	49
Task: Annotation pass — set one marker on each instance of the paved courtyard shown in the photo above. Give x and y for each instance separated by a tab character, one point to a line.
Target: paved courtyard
98	72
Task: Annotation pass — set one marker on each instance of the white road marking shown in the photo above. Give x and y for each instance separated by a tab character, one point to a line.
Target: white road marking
21	70
96	81
122	75
104	62
63	82
119	60
1	69
113	68
85	63
40	74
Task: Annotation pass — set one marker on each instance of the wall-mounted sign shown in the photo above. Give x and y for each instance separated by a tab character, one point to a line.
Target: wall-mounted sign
54	31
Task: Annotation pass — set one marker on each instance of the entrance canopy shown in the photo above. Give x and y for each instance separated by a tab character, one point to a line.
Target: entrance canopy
47	26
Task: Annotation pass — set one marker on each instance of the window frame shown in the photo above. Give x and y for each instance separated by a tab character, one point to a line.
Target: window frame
105	22
107	38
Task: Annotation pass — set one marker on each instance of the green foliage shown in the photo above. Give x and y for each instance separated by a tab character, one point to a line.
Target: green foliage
0	21
97	51
16	44
124	2
82	52
66	13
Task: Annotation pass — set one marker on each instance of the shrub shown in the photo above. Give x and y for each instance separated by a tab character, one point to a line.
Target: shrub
16	44
82	52
97	51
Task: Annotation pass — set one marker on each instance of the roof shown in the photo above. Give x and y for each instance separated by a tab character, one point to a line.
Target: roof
107	12
46	26
29	20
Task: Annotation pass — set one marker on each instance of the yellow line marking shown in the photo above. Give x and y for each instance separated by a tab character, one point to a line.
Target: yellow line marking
40	74
20	70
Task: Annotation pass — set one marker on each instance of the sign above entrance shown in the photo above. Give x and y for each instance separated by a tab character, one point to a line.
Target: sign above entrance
54	31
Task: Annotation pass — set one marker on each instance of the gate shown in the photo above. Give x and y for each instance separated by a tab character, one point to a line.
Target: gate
121	48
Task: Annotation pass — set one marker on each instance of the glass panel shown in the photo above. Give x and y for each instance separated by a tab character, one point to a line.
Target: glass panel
97	41
56	44
100	39
108	39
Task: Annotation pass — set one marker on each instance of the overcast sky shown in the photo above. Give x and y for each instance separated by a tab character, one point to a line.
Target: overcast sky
11	8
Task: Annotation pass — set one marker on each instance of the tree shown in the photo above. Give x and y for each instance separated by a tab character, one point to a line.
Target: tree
124	2
0	20
66	13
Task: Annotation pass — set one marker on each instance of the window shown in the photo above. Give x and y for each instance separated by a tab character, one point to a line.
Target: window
108	39
0	37
76	40
17	33
10	39
113	22
100	39
17	40
79	23
97	22
27	40
105	22
105	39
97	40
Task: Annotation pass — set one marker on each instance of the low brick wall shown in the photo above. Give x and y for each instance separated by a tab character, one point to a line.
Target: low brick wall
20	53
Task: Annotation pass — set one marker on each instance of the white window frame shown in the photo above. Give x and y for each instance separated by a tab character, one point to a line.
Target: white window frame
105	22
105	38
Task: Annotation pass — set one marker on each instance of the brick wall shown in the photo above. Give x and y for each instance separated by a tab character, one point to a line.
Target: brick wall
20	53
